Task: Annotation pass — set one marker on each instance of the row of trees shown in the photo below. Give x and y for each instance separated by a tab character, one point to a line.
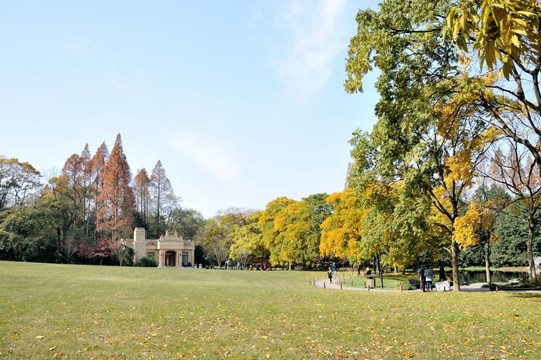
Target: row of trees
380	226
81	214
459	105
376	223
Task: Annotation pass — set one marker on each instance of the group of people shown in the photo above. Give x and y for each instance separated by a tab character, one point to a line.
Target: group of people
426	277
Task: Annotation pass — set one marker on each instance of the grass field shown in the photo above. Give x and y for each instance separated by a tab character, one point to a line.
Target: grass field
52	311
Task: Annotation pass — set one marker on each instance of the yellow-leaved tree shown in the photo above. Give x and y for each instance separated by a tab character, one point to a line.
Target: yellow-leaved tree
272	238
341	232
248	244
293	226
505	31
476	226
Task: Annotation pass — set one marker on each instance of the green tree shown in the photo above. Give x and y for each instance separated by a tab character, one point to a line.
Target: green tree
219	234
18	182
427	133
320	210
298	233
519	175
248	247
512	231
188	223
33	232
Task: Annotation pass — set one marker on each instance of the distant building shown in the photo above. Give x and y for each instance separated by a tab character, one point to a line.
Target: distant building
169	250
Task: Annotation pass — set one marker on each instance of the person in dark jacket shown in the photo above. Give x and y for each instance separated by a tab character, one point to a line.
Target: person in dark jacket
422	279
442	273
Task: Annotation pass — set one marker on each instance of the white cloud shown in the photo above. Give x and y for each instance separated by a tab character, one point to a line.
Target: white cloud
316	41
207	152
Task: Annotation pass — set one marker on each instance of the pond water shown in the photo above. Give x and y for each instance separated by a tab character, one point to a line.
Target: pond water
472	277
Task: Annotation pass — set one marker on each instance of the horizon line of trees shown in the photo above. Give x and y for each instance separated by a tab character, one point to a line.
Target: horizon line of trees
71	219
322	228
81	214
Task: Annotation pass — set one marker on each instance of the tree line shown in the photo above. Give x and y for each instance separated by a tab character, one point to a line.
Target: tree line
81	214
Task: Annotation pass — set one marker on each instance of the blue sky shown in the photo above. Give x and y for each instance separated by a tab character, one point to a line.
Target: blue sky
242	101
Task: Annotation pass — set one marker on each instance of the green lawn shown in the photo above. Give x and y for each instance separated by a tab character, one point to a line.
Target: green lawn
91	312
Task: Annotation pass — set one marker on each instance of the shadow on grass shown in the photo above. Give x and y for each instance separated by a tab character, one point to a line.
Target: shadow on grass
528	295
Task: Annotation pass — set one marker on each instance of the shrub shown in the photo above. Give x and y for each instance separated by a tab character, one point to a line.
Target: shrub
148	261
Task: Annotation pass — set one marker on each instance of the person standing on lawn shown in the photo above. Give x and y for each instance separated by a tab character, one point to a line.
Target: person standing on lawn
333	267
442	273
422	279
429	277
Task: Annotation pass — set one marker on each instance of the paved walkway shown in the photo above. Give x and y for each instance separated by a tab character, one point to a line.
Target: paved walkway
336	286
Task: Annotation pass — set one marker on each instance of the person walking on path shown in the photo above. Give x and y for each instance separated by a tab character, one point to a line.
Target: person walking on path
329	273
422	278
333	267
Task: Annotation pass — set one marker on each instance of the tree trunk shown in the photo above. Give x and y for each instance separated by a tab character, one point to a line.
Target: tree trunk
487	263
454	258
529	247
380	271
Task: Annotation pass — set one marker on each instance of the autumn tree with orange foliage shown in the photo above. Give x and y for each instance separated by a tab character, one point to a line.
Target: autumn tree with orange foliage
116	203
141	184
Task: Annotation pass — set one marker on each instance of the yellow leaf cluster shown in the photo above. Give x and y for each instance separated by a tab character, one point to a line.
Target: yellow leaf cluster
460	168
341	232
479	217
504	30
465	227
